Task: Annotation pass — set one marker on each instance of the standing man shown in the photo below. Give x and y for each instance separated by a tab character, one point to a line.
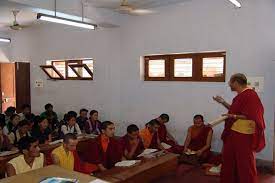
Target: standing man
243	134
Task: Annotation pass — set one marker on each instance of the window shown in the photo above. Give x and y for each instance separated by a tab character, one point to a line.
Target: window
186	67
66	69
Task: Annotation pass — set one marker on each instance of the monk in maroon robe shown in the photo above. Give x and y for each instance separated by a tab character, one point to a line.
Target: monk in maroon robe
105	151
243	134
199	139
166	137
131	143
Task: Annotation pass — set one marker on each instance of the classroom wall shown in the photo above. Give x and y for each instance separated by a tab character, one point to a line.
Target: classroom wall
5	48
119	92
196	26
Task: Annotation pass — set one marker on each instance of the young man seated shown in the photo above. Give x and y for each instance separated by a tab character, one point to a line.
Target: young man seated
105	151
67	157
131	143
51	116
199	139
42	131
22	131
166	137
149	135
93	125
5	144
70	125
26	113
8	113
12	124
82	118
30	158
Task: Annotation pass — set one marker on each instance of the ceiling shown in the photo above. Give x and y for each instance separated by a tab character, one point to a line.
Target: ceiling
93	9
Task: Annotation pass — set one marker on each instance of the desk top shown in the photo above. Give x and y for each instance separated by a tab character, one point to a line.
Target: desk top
36	176
124	173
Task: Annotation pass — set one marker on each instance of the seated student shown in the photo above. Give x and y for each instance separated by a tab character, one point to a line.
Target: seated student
26	113
149	135
82	118
166	137
93	125
22	131
131	143
67	157
12	124
5	144
30	158
42	131
8	113
199	138
105	151
71	126
51	116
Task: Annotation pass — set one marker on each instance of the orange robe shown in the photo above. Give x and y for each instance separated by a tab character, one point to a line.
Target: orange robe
238	156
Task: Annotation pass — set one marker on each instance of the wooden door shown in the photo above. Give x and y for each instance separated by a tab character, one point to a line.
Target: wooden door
8	94
22	78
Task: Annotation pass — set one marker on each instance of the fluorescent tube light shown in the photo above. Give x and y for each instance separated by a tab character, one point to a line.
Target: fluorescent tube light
6	40
236	3
66	21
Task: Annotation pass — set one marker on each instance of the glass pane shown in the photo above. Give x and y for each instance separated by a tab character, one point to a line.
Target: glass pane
183	67
156	68
213	67
48	62
90	64
51	72
61	67
70	71
82	72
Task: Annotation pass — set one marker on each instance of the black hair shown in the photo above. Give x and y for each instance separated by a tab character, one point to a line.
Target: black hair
199	116
23	123
24	106
25	143
92	112
72	113
39	119
132	128
10	110
69	136
153	122
105	124
69	116
164	117
83	110
47	106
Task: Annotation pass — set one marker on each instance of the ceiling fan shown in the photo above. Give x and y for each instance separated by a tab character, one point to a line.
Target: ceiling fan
126	8
15	25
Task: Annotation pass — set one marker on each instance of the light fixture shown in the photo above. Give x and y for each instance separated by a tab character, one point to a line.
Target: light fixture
6	40
61	20
66	21
236	3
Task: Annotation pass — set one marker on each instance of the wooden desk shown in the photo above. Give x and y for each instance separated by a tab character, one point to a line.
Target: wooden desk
146	171
36	176
46	149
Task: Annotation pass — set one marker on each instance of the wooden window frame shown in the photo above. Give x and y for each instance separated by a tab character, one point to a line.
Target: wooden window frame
86	68
44	67
67	64
146	66
197	67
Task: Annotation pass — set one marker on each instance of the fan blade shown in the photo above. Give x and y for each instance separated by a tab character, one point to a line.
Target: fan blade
141	12
106	25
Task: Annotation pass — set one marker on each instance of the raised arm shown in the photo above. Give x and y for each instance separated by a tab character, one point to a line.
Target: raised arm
220	100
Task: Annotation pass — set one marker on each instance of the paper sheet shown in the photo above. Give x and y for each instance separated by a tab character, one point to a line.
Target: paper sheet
217	121
56	142
127	163
166	146
215	169
98	181
147	151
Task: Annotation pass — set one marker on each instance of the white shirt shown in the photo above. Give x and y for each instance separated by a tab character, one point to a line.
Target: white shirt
66	129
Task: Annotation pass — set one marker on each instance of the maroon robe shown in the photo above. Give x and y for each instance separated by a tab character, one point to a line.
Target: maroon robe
162	133
94	153
239	149
125	145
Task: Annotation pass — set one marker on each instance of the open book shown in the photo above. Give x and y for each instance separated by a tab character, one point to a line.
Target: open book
127	163
147	152
58	180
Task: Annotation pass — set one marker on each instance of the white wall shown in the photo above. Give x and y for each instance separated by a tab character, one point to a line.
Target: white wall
5	48
246	34
118	91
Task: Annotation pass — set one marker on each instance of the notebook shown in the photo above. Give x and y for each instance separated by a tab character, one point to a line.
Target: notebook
127	163
58	180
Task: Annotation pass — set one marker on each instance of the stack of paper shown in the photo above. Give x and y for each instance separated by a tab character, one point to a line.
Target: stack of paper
166	146
190	152
98	181
147	152
127	163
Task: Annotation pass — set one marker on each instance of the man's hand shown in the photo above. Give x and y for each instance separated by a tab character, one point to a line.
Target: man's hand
219	99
